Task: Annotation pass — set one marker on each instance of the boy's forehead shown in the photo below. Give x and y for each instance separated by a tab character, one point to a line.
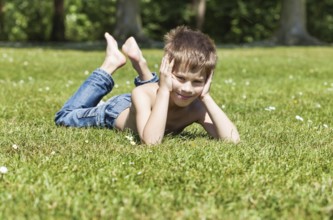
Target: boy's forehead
197	74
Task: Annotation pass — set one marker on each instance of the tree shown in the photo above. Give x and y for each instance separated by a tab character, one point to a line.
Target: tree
292	29
58	21
2	22
128	21
200	10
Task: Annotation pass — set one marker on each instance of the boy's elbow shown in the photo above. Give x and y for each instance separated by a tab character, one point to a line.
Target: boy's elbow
151	141
235	139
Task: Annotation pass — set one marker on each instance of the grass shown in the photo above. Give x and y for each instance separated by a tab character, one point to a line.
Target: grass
282	169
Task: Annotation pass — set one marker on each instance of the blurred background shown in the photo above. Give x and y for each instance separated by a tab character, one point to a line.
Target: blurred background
283	22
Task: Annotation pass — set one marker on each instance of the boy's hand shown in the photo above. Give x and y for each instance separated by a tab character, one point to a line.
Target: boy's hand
206	88
166	73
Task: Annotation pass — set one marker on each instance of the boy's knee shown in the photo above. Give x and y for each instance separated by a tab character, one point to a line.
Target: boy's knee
59	119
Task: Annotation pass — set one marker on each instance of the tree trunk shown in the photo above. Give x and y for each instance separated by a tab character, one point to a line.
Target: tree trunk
200	10
292	30
58	21
2	20
128	21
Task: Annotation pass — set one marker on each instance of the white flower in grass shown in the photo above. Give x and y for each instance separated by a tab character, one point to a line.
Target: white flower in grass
129	137
116	86
325	125
299	118
318	105
139	173
229	81
127	82
223	106
47	88
53	153
247	83
15	146
25	63
270	108
3	170
86	72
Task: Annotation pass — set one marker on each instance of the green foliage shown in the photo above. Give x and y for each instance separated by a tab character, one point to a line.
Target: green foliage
282	169
320	19
27	20
241	21
237	21
159	17
88	20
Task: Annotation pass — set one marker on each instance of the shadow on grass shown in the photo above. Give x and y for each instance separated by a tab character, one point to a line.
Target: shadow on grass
100	45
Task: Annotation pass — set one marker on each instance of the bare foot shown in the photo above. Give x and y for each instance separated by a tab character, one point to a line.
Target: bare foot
114	58
132	50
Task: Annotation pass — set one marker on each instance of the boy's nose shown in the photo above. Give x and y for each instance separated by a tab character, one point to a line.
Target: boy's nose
187	87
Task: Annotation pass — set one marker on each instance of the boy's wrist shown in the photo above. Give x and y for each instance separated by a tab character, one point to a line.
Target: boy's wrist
163	91
205	98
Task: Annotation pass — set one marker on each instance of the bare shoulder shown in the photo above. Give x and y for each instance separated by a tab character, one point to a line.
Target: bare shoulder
144	93
146	88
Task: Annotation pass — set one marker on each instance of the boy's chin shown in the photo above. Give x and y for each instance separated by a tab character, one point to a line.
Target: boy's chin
183	103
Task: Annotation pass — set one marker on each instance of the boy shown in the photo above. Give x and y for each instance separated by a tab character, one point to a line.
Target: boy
156	106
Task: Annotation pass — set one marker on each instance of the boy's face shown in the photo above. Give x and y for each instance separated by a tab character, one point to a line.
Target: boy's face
187	86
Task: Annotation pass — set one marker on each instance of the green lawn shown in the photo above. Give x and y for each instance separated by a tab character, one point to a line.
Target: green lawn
281	100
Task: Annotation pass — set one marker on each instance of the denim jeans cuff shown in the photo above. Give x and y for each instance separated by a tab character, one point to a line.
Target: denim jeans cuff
139	82
105	75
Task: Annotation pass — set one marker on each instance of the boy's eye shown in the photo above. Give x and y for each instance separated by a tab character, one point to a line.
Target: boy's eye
198	82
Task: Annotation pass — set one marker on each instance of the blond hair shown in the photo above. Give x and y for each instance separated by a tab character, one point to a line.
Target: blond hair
191	50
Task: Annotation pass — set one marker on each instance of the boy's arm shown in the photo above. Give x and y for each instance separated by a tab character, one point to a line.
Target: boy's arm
154	129
150	119
215	121
151	122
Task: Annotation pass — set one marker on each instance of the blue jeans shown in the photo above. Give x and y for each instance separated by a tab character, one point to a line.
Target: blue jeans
83	108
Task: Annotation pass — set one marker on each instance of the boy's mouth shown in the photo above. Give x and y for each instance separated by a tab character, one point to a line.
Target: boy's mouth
184	97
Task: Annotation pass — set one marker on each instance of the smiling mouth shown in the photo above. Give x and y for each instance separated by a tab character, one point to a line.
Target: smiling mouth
184	97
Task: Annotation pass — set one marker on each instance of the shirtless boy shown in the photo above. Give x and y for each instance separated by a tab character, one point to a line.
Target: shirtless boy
156	106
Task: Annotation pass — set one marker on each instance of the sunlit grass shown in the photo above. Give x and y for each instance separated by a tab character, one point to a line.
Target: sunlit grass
279	98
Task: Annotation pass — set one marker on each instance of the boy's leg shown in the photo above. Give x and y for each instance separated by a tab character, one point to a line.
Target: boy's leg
139	63
80	110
